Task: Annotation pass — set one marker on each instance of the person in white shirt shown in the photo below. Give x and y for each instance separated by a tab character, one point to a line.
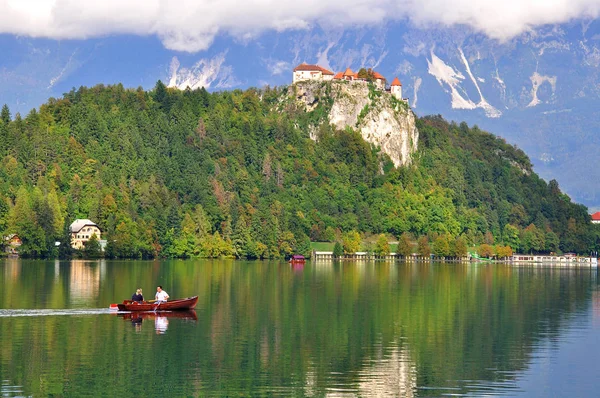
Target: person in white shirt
161	295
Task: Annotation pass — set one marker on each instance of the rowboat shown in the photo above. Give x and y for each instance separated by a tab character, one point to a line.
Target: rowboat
171	305
297	259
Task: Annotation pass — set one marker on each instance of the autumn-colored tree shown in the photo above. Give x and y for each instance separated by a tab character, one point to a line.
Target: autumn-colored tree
423	248
351	241
485	250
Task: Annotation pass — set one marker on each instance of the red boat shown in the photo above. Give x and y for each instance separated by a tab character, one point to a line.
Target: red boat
297	259
171	305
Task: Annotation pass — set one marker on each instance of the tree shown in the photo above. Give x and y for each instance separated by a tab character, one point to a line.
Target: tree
405	245
485	250
338	250
92	247
533	239
460	247
22	220
510	236
552	242
382	247
303	246
5	114
488	238
441	246
423	248
503	251
351	241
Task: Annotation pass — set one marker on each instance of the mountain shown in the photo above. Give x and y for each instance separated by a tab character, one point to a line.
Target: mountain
262	173
539	90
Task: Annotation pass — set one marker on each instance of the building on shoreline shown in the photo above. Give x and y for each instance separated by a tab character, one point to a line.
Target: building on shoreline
81	232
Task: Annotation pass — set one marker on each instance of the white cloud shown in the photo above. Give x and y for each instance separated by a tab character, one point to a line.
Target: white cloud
188	25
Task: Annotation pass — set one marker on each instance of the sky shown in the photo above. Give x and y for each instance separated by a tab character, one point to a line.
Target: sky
192	25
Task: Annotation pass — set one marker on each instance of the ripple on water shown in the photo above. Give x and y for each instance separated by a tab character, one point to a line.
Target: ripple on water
53	312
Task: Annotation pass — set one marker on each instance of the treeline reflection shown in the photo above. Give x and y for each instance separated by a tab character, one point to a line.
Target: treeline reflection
391	328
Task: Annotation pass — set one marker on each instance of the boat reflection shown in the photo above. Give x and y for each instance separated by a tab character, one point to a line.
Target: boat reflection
161	318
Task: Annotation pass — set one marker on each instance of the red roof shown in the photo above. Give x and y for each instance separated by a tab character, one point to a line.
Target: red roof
378	75
396	82
312	68
349	72
596	216
339	75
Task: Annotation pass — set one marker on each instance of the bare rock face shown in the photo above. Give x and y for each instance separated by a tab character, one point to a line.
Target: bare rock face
381	119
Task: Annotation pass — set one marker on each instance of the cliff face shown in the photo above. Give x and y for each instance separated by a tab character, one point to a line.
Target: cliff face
381	119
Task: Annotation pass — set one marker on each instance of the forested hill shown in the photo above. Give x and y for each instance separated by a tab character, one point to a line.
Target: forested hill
190	173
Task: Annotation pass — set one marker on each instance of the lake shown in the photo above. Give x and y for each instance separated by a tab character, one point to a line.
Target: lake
322	329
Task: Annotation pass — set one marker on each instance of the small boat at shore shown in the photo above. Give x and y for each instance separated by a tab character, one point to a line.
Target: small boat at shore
188	303
297	259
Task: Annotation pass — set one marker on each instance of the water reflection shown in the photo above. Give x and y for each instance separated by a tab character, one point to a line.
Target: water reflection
329	329
84	281
391	374
161	318
161	324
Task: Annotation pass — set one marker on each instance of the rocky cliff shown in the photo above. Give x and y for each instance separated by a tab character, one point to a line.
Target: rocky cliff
381	119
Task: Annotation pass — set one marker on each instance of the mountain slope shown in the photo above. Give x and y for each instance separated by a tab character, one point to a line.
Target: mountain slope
189	173
539	90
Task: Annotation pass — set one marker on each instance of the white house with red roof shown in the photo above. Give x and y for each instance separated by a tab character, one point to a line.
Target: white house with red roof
596	218
305	71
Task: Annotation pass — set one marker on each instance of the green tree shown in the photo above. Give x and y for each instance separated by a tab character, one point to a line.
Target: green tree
92	248
441	246
552	242
338	250
382	247
510	236
5	114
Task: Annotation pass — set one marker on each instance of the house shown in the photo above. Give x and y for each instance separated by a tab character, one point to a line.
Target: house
11	244
349	75
311	72
396	88
379	80
596	218
81	232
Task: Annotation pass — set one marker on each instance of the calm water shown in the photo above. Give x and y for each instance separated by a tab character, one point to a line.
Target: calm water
267	329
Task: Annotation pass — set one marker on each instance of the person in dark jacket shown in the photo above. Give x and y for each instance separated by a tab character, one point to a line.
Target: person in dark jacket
137	296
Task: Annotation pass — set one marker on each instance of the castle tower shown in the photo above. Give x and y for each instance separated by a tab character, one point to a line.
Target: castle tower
396	88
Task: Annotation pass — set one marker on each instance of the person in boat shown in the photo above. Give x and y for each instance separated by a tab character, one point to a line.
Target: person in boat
137	296
161	296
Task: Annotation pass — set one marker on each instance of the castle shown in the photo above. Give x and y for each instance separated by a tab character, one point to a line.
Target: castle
316	72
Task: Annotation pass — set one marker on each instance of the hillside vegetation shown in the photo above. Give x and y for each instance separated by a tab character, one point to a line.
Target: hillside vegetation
189	173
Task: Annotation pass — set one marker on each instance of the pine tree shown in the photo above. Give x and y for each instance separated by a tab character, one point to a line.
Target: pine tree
338	250
5	114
